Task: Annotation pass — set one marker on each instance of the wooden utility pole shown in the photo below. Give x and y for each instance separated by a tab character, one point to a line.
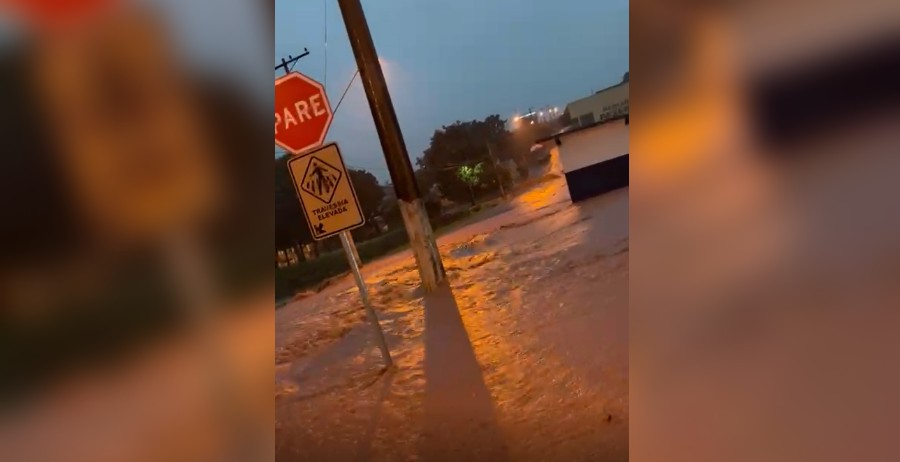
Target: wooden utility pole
421	236
496	170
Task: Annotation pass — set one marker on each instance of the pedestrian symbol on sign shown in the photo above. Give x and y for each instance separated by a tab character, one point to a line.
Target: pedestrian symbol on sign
321	180
326	192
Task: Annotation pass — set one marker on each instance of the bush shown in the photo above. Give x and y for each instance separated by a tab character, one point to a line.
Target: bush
308	274
449	218
523	171
433	209
382	245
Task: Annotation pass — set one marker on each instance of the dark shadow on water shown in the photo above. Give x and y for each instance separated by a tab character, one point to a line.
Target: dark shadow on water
460	422
326	370
364	451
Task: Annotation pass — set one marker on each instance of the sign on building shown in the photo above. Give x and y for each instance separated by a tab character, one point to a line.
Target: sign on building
325	191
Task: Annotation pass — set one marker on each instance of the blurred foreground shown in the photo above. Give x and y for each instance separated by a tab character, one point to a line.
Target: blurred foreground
135	238
766	232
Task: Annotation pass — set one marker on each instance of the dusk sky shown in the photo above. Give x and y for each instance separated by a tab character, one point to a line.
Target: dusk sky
460	60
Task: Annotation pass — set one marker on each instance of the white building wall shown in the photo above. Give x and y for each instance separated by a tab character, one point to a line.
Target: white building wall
593	145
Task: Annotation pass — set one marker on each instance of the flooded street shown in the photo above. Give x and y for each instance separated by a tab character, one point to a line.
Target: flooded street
523	355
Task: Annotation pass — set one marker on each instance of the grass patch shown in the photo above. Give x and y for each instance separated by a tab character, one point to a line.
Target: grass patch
309	274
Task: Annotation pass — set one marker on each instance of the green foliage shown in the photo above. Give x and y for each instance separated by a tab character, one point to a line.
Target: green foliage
471	175
290	224
463	143
308	274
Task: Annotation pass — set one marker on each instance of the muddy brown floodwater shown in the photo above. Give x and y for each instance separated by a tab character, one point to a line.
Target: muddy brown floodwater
537	369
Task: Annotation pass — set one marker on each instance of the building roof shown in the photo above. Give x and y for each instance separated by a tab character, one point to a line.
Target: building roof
624	82
569	131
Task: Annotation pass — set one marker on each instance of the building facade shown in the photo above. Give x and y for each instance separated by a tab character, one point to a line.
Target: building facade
603	105
593	158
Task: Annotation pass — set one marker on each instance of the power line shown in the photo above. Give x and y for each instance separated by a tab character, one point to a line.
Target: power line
289	63
357	167
345	91
325	76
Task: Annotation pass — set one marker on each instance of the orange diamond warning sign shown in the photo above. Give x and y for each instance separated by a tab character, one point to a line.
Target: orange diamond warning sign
326	194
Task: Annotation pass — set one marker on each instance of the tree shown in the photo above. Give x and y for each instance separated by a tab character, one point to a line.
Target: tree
464	143
471	176
290	224
368	191
371	195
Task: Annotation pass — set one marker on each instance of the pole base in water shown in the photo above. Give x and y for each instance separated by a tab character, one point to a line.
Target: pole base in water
422	242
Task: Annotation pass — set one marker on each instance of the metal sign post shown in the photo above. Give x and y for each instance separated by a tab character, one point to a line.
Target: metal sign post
355	251
347	243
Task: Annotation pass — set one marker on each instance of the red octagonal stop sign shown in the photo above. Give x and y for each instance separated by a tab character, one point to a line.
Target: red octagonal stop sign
302	113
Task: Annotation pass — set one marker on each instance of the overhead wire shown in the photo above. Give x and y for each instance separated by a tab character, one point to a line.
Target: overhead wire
325	73
345	91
